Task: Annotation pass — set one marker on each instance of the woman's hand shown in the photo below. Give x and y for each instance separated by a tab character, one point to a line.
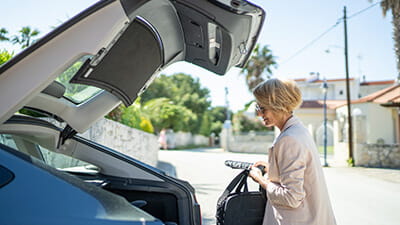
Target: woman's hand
257	175
262	163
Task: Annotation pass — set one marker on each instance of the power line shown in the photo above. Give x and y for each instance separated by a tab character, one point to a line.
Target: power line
363	10
340	20
311	42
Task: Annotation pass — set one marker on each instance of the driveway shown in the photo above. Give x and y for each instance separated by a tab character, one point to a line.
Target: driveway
360	196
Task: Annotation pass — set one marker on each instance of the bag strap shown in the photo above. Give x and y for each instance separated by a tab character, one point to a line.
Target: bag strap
237	180
243	184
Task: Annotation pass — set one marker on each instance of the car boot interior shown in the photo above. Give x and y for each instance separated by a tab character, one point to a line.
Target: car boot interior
142	186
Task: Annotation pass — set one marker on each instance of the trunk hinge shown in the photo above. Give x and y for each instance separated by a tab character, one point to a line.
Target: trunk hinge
66	134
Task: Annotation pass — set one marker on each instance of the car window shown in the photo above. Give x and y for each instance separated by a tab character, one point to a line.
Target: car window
6	139
36	147
77	93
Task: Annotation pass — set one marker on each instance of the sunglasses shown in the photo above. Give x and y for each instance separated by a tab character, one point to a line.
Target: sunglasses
260	110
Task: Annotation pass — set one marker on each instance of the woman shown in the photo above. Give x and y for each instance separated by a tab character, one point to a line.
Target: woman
294	180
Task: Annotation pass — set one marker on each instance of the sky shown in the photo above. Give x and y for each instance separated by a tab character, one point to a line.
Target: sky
301	34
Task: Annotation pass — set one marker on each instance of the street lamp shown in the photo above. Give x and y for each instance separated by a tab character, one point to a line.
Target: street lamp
324	87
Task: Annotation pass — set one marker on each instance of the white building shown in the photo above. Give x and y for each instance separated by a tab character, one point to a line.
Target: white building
376	129
311	110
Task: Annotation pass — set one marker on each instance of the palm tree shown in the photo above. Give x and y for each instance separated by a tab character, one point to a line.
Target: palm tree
3	33
25	37
260	62
394	6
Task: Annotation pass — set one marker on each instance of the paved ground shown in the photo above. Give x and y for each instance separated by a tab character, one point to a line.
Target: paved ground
360	196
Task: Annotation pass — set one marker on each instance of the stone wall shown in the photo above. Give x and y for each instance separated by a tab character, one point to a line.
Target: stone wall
181	139
129	141
251	142
377	155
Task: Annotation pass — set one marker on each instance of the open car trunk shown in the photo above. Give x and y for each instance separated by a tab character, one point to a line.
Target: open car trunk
167	199
112	50
126	44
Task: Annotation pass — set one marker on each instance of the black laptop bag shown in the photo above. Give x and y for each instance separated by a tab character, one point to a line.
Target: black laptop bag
241	207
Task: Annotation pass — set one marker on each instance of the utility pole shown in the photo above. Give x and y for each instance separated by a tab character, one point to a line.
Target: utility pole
325	91
228	114
227	123
350	131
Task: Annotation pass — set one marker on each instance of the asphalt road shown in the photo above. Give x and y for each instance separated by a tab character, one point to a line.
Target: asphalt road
360	196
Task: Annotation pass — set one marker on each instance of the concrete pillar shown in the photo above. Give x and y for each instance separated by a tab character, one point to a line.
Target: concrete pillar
359	138
341	150
226	135
360	131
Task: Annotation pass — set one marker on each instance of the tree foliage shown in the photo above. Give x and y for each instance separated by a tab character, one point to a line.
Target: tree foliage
25	37
164	113
178	92
5	56
182	89
132	116
3	34
218	116
205	126
258	68
243	123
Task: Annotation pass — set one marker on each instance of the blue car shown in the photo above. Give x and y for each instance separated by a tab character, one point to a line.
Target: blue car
104	56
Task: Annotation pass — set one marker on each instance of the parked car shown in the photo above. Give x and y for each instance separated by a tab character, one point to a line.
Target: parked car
105	55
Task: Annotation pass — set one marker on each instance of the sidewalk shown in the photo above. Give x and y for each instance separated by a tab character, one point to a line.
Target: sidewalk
384	174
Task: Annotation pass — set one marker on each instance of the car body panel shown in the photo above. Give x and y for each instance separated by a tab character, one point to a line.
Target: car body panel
62	192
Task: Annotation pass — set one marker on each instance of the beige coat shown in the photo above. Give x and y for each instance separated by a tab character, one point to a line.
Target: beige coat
297	194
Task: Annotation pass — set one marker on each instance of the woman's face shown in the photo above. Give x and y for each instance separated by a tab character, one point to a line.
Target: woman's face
269	117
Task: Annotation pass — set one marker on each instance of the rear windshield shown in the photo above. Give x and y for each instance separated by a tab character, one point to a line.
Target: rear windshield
77	93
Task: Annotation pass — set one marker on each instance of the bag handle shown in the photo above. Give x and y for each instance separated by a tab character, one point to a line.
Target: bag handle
243	184
240	179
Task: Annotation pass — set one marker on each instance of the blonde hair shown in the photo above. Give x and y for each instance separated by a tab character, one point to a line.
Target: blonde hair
279	95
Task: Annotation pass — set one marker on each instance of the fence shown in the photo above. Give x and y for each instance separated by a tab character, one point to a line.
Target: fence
184	139
251	142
